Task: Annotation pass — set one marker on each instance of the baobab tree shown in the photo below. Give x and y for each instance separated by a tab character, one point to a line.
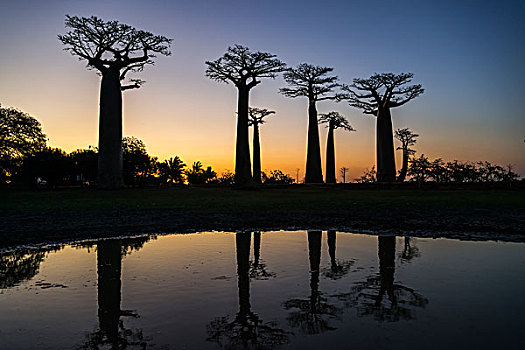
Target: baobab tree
114	50
244	69
343	171
256	117
376	95
407	138
313	82
334	120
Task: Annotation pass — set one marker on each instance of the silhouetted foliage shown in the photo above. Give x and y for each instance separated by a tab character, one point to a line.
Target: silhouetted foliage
172	171
277	177
421	169
313	82
21	265
20	136
243	68
369	176
376	95
407	138
84	165
226	178
256	117
334	120
138	166
114	50
50	167
197	175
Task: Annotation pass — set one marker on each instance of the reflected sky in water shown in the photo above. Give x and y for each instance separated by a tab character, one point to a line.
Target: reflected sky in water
305	289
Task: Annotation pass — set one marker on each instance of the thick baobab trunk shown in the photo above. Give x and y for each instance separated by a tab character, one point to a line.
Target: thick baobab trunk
330	156
243	171
109	174
313	173
404	168
387	266
386	163
256	154
109	267
331	248
242	243
314	256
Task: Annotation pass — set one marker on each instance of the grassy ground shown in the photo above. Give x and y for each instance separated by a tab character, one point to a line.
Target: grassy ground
212	199
40	216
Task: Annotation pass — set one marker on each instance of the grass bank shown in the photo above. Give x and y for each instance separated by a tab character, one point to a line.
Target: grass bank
38	216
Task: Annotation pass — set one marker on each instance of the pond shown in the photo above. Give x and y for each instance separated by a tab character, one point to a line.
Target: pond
298	290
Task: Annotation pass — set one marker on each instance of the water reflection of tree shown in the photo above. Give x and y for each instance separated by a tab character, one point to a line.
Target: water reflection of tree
312	315
258	269
111	330
246	330
21	265
410	250
338	268
368	296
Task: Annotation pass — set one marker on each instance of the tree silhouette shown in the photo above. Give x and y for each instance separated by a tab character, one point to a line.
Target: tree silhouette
21	135
197	175
247	330
114	49
338	268
343	171
111	331
376	95
256	117
172	170
313	315
313	82
407	138
334	120
368	296
21	265
243	68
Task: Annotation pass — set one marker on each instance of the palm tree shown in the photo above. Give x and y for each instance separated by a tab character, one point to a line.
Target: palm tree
256	117
335	121
172	170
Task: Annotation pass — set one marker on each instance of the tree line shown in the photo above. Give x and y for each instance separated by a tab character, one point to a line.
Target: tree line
115	50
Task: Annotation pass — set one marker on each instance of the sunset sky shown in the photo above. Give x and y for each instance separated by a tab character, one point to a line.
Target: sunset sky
468	55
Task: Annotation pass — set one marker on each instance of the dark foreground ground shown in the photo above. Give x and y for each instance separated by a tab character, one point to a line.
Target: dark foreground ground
30	217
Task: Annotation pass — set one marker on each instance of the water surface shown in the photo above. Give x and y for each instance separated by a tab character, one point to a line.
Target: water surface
304	290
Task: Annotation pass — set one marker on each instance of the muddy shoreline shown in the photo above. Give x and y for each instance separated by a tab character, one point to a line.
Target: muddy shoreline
21	227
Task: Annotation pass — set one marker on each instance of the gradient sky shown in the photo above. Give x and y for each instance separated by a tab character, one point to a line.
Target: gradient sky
468	55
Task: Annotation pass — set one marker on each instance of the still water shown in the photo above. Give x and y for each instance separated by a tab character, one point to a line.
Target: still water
298	290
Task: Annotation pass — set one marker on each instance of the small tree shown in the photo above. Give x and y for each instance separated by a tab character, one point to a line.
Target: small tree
197	175
377	95
369	176
20	136
343	171
313	82
114	49
257	116
243	68
407	138
172	170
334	120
